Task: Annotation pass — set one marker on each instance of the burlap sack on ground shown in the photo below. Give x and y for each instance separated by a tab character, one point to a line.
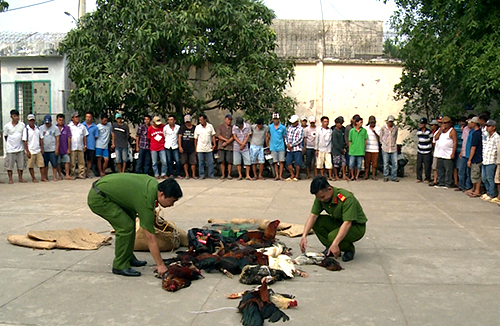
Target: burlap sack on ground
80	239
169	237
286	229
25	241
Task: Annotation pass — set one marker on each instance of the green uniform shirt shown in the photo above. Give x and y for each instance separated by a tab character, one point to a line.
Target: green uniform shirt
357	140
135	193
343	206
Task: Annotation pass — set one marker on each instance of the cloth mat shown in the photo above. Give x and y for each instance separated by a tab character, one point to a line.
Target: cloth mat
285	229
80	239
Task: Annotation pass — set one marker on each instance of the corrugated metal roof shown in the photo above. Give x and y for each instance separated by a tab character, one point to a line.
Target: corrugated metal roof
15	44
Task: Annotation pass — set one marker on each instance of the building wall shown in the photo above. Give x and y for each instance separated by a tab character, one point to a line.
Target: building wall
57	76
334	89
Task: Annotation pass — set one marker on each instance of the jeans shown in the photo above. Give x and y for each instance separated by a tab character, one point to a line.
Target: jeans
464	181
445	172
209	157
393	158
425	161
173	156
488	176
144	161
163	159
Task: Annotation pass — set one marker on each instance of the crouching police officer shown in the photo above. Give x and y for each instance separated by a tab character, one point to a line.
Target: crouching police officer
118	198
344	223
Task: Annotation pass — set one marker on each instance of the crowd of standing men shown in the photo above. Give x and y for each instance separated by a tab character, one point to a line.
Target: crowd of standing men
464	156
187	150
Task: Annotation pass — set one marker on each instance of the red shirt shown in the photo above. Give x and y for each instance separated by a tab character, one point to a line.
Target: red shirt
156	138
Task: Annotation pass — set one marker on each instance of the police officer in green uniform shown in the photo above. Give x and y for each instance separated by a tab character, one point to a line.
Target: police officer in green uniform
344	223
119	198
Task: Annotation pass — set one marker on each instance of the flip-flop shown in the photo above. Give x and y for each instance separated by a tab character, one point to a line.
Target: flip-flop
472	195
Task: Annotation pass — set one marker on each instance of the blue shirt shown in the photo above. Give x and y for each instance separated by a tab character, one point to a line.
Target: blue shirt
93	134
477	141
276	144
458	130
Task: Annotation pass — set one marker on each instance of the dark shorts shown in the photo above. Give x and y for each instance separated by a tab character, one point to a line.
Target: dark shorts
310	156
89	155
339	160
294	157
225	156
50	157
188	157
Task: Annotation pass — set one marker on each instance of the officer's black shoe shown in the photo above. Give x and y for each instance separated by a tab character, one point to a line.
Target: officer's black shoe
134	262
348	255
126	272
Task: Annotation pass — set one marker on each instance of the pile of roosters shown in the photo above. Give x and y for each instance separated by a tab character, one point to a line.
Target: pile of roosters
259	258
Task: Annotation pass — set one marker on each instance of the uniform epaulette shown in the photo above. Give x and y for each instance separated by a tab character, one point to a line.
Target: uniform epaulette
341	197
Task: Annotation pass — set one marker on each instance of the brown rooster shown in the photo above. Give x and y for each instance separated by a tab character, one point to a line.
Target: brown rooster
259	239
179	276
256	306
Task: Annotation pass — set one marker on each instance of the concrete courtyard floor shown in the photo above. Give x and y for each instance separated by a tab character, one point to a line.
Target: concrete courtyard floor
429	257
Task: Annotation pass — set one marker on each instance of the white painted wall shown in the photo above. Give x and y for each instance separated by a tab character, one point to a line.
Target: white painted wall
347	89
57	76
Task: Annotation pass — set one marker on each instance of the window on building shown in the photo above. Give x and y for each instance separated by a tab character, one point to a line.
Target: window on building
33	97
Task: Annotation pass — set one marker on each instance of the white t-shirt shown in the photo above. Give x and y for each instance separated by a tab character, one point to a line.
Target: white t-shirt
204	136
372	143
32	137
77	134
14	136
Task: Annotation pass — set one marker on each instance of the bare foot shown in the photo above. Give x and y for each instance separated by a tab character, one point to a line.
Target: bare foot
45	180
11	182
22	181
34	180
69	178
56	179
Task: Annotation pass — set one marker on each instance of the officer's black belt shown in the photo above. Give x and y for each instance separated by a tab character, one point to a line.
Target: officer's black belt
100	193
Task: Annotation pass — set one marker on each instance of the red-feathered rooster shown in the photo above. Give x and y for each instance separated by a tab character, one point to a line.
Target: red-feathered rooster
256	306
179	276
259	239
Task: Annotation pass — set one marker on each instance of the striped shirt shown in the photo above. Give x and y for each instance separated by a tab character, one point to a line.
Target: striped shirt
294	138
424	145
490	149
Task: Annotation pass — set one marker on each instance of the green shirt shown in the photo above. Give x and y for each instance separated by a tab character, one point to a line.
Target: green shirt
358	141
343	206
135	193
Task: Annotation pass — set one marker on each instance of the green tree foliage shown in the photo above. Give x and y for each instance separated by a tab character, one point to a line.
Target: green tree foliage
4	5
177	56
451	56
391	50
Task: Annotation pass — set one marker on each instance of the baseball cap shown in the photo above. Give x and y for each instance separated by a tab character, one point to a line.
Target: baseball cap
422	120
491	122
157	120
294	118
276	115
75	114
47	119
312	119
440	118
239	121
390	118
303	118
228	116
474	119
434	122
118	115
187	118
31	117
